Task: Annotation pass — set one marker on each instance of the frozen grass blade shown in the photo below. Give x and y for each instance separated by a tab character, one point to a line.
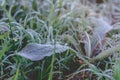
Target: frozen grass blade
105	53
88	45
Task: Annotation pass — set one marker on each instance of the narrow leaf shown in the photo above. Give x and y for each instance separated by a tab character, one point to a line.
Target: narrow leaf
105	53
88	45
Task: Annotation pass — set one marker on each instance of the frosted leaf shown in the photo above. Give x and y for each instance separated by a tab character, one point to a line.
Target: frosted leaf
36	51
101	27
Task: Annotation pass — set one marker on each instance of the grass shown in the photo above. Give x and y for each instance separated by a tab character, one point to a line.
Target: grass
50	21
116	69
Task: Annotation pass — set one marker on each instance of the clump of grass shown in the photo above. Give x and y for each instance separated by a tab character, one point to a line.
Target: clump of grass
37	21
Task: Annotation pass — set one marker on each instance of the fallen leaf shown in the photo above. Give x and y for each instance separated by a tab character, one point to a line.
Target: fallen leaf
36	51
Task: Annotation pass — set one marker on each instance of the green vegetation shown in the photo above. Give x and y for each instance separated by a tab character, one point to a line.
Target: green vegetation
93	54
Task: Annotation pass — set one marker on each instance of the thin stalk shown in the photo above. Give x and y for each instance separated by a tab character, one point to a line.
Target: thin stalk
105	53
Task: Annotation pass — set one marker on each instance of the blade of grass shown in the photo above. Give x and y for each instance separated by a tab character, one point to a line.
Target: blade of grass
105	53
17	73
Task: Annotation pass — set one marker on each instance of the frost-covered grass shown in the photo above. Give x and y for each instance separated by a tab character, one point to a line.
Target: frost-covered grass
67	22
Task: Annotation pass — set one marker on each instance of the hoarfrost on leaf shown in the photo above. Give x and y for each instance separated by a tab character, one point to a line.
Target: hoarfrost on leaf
36	51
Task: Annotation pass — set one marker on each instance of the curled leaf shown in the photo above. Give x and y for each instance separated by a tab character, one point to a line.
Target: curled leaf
36	51
101	27
98	38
